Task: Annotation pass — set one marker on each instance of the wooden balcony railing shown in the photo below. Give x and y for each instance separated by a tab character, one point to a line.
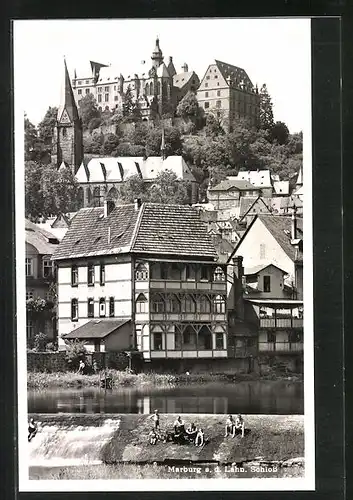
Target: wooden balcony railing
280	347
281	322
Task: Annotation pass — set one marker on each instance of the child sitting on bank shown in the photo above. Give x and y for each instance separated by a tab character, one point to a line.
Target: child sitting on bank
200	437
152	437
239	424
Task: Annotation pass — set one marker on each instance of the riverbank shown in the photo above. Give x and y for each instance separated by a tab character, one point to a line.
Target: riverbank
43	380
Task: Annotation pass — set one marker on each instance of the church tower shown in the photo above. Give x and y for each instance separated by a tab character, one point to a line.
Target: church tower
68	137
157	56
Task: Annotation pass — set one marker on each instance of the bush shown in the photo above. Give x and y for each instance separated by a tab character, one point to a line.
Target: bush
75	351
51	346
40	342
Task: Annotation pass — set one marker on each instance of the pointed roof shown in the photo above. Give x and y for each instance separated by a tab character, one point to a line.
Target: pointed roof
171	68
237	76
157	53
67	110
300	177
162	71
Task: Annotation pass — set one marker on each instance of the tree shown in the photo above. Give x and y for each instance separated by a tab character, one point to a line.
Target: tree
214	123
134	187
59	190
266	109
168	189
75	352
128	103
33	193
88	109
110	144
188	108
279	133
172	138
47	126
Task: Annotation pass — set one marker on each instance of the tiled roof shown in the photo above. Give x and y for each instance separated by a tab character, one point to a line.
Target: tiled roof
88	233
259	178
181	79
96	328
238	75
260	267
280	228
227	184
42	240
173	230
154	229
248	202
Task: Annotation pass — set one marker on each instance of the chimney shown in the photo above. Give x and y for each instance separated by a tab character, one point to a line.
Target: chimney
109	206
294	223
170	59
138	203
185	68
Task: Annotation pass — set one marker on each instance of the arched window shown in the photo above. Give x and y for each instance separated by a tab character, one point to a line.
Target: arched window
141	303
189	305
112	194
151	88
205	338
97	196
141	273
146	89
218	274
88	195
173	304
204	305
219	305
80	197
158	88
64	132
102	307
157	303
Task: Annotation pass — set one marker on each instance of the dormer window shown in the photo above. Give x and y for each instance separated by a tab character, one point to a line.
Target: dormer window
218	274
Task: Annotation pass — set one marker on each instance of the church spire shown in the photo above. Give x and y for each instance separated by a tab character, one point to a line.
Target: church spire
157	55
67	110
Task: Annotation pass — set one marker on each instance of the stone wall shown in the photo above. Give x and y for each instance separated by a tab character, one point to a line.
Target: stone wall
215	365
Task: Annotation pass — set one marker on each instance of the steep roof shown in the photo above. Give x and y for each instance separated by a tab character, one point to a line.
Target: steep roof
153	229
181	79
238	75
280	228
281	187
96	328
67	101
259	178
256	269
41	239
173	230
248	202
162	71
228	184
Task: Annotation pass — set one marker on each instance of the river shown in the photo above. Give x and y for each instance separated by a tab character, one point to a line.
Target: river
248	397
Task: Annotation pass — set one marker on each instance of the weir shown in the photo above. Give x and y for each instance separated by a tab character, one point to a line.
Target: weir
89	439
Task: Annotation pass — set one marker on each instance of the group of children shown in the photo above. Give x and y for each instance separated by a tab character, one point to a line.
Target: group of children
193	433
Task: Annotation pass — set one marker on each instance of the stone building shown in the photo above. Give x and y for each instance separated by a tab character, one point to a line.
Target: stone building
228	89
228	193
156	88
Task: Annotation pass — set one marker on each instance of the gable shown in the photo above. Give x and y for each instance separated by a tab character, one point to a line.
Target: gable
65	119
213	78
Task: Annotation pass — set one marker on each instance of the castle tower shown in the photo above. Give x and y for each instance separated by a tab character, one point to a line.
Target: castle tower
69	143
157	56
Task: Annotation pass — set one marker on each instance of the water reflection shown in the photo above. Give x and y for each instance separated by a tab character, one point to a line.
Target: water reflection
266	397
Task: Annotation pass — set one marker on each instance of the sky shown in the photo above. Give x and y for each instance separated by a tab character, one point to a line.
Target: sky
272	51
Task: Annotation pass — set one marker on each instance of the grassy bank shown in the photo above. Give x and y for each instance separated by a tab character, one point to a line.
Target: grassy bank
39	380
131	471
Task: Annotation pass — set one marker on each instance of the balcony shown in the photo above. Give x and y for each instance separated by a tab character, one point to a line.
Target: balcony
278	323
281	347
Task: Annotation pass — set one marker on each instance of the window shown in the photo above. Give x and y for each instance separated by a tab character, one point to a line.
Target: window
189	305
64	132
218	92
267	283
106	97
99	89
106	89
29	267
157	337
99	97
90	308
173	304
218	274
219	340
174	271
204	305
74	309
262	251
115	98
207	77
47	268
205	273
216	76
102	307
218	104
74	275
29	295
102	274
87	81
79	82
271	337
295	337
141	303
206	84
111	307
157	304
87	91
141	273
190	272
207	105
79	91
206	94
219	305
164	271
97	345
90	275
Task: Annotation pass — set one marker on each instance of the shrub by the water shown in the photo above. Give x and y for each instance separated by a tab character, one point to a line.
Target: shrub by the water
75	351
40	342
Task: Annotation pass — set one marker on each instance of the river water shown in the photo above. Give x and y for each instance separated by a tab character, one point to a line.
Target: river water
251	397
